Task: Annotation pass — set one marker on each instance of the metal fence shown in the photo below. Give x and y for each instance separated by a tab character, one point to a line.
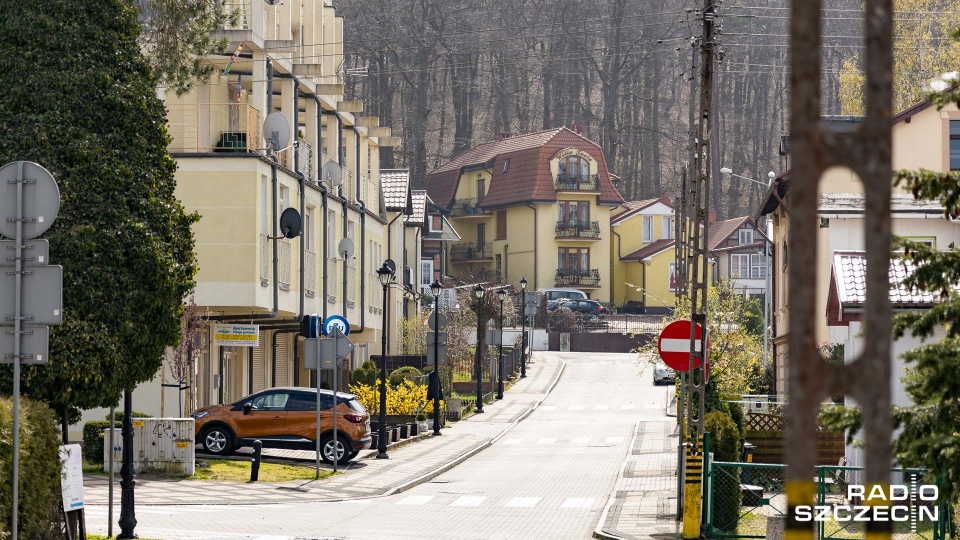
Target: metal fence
741	497
619	323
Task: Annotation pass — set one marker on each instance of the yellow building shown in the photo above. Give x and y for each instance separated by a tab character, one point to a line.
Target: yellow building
535	206
642	262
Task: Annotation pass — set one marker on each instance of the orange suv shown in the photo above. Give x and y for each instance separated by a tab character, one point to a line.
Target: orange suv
285	418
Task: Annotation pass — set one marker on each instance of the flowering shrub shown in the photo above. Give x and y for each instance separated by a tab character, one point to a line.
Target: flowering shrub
406	398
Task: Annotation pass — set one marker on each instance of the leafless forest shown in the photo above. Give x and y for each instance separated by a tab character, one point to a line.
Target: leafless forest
449	74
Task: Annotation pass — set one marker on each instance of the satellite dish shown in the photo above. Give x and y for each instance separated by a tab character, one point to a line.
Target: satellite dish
345	248
290	223
331	173
391	265
276	131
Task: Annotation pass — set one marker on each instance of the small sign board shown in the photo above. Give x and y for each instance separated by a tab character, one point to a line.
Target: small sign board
431	336
494	335
34	344
674	345
443	354
36	252
336	321
438	320
530	310
532	299
236	335
41	296
71	478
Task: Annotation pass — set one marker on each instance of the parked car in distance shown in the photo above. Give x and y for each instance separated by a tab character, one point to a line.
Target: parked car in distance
587	307
564	294
663	374
285	418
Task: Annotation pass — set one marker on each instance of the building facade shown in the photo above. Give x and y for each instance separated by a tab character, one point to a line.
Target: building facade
535	206
642	257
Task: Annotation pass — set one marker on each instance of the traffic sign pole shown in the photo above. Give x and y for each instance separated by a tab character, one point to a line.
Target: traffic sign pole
18	273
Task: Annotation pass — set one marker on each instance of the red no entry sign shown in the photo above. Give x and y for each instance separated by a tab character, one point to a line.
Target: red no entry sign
674	345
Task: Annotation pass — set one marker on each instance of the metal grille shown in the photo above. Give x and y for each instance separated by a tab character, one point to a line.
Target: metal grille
286	264
260	364
264	260
310	273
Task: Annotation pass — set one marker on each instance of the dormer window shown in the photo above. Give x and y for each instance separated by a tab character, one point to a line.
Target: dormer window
506	165
746	237
955	145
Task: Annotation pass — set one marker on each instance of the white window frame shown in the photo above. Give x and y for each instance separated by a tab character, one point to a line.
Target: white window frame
426	273
648	228
667	228
308	227
758	266
745	236
739	265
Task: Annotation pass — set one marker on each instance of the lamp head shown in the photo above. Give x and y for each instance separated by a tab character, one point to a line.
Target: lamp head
436	287
385	274
501	294
478	291
726	170
771	175
523	284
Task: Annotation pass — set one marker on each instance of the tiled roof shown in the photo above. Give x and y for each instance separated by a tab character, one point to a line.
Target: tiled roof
396	189
418	217
721	230
854	203
528	177
850	276
648	250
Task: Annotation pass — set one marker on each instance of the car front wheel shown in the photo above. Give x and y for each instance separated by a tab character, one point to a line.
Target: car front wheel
218	440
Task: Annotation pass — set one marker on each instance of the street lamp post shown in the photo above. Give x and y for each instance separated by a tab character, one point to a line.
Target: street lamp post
435	288
501	295
128	519
478	293
385	274
523	328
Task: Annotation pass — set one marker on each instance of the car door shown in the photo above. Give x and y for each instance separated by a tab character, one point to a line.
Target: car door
302	416
266	417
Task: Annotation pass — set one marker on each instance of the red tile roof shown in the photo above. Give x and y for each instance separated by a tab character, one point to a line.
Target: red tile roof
648	250
528	177
396	189
721	230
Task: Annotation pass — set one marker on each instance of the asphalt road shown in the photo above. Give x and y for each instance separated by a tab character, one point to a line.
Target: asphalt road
549	477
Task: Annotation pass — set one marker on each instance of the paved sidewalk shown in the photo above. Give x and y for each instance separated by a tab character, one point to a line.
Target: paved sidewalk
644	500
408	465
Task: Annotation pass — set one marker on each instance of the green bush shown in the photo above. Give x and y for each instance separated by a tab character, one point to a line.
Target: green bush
724	443
40	514
364	375
93	440
400	374
118	415
736	413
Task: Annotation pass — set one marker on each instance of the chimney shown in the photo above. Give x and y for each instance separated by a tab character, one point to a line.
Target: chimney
503	135
713	216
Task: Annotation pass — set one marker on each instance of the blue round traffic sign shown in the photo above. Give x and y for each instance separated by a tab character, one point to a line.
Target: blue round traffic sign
336	321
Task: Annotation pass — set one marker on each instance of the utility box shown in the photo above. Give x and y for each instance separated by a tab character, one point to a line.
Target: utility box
159	445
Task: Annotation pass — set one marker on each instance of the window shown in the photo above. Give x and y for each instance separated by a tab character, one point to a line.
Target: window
746	237
300	401
929	241
954	145
274	401
284	197
573	261
758	266
264	219
481	190
574	213
648	228
426	274
739	265
668	227
501	225
574	168
499	267
331	234
506	165
436	223
308	228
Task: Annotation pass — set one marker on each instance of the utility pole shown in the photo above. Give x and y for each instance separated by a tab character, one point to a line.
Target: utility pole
699	276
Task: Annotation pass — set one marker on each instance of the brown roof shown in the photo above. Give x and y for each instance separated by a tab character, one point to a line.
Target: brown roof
648	250
396	189
419	215
527	178
633	207
721	230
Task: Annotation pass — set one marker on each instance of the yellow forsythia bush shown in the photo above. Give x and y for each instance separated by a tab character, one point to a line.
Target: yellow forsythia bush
406	398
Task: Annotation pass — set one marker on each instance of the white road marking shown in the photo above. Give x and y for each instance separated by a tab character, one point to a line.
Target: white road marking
574	502
548	407
547	440
523	502
576	408
416	500
613	440
512	441
600	407
469	501
580	440
627	406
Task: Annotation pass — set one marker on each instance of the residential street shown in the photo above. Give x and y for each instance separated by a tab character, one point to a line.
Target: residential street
548	477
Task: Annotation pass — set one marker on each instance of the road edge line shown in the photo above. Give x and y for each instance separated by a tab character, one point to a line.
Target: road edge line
599	532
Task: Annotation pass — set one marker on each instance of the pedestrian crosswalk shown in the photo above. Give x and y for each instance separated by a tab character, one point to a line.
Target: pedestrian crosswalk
478	501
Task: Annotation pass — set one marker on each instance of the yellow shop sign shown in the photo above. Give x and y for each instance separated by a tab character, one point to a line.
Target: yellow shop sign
236	335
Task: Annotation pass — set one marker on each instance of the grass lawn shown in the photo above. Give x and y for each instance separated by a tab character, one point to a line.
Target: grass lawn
225	470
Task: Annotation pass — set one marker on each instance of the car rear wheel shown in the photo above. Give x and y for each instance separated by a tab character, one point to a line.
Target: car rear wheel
327	451
218	440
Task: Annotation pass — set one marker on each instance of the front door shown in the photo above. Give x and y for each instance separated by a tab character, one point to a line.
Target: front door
481	235
266	417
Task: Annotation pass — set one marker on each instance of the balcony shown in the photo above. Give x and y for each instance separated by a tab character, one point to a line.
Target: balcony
214	128
574	278
578	231
468	207
471	252
310	274
576	182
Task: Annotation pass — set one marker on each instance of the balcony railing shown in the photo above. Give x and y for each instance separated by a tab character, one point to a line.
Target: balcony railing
264	260
214	127
310	274
286	264
306	158
576	182
578	278
333	284
243	10
470	251
468	207
588	231
351	292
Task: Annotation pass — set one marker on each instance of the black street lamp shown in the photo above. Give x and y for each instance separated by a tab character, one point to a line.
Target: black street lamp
523	328
478	292
435	288
128	519
385	273
501	295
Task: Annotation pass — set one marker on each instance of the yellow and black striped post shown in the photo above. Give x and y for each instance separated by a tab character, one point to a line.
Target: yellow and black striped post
693	492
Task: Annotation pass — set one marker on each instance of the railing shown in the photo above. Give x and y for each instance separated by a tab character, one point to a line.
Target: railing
243	10
286	264
576	229
470	251
214	127
468	207
578	279
310	274
333	284
617	323
264	260
351	293
306	158
576	182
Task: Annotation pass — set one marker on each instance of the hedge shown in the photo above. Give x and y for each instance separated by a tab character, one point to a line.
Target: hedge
93	435
40	498
725	444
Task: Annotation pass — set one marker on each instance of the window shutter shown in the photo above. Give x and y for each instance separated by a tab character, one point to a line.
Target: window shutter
283	360
259	365
502	225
